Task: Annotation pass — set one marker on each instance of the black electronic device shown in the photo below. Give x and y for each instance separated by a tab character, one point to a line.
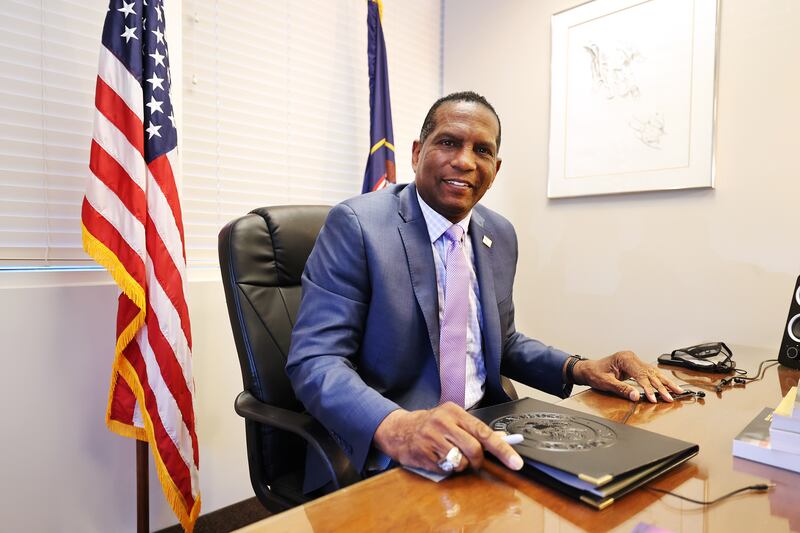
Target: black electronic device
790	347
706	357
687	393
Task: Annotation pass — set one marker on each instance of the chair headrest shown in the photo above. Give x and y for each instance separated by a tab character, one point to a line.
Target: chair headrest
270	246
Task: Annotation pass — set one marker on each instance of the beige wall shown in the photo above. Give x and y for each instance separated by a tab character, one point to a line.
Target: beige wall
646	271
62	470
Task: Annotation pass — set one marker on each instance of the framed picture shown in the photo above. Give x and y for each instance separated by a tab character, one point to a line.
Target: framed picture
632	97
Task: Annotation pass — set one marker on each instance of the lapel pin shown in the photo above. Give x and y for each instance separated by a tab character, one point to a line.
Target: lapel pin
487	241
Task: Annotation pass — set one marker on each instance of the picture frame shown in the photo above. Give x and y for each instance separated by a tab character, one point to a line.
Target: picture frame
633	97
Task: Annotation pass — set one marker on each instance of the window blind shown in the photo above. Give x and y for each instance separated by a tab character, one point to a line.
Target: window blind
48	63
276	111
276	103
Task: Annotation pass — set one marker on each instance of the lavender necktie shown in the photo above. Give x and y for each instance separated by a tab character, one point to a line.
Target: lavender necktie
453	332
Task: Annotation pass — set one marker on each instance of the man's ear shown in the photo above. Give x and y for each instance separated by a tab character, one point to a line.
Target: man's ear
415	148
496	170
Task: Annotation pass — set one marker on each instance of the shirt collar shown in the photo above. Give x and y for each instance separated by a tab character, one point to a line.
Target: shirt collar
436	223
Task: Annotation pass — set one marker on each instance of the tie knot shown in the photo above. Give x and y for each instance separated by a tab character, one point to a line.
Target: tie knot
455	233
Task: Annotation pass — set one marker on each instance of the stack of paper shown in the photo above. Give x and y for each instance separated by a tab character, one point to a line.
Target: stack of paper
773	437
784	431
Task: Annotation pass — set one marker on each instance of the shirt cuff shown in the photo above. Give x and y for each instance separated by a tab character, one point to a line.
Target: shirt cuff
376	462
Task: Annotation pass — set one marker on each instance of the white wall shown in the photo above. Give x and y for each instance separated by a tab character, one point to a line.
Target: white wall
62	470
647	271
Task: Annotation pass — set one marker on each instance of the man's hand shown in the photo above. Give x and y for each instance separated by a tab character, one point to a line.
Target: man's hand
423	438
609	373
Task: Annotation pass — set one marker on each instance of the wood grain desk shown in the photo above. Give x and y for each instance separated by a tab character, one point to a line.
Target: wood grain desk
496	499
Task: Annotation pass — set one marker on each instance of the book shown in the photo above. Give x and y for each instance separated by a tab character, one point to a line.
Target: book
587	457
785	441
787	414
753	443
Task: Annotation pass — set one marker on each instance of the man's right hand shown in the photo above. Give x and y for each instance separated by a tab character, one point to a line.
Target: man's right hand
422	438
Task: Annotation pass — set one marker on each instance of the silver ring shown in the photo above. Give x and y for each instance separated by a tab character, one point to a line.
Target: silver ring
451	460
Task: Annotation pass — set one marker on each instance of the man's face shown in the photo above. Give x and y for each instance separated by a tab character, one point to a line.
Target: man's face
457	163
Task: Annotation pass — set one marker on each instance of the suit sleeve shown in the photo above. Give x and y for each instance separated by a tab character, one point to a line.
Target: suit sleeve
528	360
322	360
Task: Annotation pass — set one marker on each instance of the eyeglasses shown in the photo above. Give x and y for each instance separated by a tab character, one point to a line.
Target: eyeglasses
701	357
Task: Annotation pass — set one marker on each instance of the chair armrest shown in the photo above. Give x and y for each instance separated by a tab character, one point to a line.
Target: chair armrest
508	388
339	467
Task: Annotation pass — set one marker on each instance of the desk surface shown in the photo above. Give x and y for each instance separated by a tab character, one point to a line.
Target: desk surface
496	499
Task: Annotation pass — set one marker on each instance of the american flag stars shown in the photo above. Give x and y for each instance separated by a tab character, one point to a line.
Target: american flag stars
127	9
129	33
156	81
158	34
158	58
154	105
152	129
136	36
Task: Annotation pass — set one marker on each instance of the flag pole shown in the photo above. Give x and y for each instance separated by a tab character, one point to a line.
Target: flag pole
142	490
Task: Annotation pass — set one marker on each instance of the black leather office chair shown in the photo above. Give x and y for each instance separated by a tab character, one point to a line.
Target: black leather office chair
261	257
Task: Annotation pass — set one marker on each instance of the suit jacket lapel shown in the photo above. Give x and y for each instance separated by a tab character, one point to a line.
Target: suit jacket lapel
419	254
485	274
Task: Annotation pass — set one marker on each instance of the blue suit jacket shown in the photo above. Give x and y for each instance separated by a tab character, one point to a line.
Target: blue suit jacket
366	339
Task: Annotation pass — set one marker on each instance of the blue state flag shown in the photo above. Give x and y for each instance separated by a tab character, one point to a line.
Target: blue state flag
380	169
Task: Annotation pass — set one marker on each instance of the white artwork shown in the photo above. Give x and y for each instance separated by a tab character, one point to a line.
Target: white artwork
632	96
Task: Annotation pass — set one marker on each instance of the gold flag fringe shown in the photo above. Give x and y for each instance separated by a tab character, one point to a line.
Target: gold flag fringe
106	258
174	497
122	367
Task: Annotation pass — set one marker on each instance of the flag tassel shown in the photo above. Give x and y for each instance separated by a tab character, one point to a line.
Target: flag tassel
171	493
106	259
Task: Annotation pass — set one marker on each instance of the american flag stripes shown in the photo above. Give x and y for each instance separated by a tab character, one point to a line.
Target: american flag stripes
380	169
131	218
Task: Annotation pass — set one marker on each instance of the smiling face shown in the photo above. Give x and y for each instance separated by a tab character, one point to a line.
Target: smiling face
457	162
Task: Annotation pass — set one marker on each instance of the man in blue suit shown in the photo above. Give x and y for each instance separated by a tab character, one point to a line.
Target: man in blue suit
365	352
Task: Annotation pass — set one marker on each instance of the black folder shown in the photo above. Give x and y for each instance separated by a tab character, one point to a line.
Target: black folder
585	456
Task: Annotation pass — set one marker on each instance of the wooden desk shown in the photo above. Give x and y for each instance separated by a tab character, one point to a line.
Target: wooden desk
496	499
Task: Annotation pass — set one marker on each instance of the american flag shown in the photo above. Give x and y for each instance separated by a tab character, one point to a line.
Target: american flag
380	170
131	219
